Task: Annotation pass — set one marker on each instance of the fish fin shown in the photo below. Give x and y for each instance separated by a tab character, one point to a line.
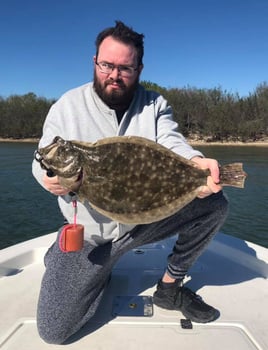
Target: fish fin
232	175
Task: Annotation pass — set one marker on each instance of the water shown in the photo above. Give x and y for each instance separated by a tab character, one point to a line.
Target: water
28	211
248	207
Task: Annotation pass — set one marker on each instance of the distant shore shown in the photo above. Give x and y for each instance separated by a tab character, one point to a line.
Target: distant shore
262	143
30	140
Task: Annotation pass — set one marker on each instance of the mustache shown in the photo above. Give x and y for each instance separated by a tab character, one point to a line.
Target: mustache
111	81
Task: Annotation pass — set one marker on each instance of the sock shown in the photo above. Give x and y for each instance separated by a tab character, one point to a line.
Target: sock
167	285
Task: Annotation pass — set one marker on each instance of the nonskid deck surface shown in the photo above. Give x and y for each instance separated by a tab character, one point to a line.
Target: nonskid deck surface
231	275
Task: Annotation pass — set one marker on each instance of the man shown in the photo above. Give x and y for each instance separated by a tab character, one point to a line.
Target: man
116	104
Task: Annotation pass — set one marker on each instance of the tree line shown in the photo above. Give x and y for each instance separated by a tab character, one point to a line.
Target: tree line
23	116
207	114
216	115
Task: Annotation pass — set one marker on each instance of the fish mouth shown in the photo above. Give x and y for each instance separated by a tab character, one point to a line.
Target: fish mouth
49	157
40	159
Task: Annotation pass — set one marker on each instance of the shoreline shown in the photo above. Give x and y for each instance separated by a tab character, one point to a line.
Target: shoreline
29	140
229	143
263	143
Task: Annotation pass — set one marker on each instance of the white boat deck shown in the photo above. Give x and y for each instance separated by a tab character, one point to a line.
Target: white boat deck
231	275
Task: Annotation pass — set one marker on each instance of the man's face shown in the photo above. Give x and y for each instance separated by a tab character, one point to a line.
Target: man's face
115	88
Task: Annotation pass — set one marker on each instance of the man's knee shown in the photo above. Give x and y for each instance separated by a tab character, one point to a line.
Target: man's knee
221	204
52	335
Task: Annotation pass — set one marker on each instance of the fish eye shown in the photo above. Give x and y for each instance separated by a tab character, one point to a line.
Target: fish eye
60	141
57	139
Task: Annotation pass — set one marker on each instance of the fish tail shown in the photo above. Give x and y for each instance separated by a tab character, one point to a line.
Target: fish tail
232	175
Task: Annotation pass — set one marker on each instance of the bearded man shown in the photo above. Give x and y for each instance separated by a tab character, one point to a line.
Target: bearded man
116	104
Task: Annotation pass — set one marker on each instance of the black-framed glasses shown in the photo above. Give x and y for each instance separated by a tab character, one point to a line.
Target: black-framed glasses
107	68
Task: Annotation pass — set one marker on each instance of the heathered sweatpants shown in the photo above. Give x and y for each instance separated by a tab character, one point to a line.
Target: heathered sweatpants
74	282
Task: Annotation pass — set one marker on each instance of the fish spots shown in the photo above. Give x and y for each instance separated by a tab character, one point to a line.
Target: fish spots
132	179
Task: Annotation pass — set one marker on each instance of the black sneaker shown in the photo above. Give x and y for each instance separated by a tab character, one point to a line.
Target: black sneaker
183	299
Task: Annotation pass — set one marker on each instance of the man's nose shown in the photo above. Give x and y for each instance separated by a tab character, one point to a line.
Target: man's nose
115	73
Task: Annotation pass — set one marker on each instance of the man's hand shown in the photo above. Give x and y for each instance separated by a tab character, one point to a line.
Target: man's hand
52	185
213	179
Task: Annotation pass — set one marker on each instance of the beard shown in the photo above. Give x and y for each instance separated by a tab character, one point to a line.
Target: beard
119	99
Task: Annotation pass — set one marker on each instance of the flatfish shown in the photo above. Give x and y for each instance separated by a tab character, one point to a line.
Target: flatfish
130	179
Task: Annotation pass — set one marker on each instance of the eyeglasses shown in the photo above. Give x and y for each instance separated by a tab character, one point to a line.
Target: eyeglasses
107	68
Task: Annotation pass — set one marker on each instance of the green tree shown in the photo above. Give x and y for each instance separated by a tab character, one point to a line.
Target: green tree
23	116
210	114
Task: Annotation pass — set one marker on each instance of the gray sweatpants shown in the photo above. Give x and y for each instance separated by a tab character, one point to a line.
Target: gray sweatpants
73	283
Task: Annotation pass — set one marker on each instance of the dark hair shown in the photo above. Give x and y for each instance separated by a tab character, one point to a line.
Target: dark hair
124	34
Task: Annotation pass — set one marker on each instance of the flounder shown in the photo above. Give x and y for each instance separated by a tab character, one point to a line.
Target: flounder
130	179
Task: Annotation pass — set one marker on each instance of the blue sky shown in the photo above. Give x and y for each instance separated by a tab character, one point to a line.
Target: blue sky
47	46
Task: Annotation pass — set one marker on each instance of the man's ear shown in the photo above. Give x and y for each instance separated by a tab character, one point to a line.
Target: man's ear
140	68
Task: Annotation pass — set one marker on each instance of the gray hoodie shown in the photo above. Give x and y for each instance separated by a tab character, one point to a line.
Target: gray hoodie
81	115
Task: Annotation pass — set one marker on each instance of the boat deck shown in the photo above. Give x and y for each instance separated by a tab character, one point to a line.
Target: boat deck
231	275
